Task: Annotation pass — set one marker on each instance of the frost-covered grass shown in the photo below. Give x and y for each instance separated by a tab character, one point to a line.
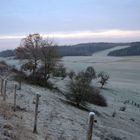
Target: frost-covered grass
123	85
58	120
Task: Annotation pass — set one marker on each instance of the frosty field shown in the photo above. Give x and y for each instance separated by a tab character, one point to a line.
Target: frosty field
60	121
124	85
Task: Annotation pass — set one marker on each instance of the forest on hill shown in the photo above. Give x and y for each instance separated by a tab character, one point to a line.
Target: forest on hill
133	50
7	53
84	49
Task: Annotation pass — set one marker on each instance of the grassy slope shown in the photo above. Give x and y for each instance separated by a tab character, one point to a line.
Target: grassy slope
58	120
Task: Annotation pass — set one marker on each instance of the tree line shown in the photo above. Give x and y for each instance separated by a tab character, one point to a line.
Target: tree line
85	49
133	50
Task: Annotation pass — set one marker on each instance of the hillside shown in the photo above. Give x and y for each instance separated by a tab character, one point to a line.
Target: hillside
85	49
58	120
7	53
133	50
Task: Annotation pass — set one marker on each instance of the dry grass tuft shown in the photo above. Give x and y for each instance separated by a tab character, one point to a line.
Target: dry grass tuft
24	134
6	111
17	131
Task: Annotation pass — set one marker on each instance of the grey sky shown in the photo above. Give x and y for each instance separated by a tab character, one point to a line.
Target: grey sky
21	17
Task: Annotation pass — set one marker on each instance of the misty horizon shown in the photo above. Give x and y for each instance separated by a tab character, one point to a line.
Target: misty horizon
70	22
112	36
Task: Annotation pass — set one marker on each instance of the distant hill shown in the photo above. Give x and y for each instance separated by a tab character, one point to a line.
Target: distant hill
133	50
85	49
7	53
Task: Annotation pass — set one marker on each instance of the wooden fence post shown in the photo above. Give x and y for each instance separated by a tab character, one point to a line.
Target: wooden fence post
90	125
19	84
15	97
1	88
4	93
36	113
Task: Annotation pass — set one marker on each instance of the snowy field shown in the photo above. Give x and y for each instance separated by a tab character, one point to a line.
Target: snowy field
60	121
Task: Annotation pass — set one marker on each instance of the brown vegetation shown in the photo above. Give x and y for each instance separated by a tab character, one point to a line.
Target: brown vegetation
41	58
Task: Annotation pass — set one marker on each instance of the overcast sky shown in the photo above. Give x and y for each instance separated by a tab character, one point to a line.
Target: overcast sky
70	21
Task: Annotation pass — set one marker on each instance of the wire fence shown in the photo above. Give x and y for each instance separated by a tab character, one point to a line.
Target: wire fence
8	92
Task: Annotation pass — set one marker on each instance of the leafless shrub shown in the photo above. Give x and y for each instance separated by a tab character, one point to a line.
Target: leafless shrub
90	72
114	114
5	110
103	78
71	74
81	91
60	71
123	108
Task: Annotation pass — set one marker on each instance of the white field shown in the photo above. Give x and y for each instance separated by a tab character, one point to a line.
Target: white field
60	121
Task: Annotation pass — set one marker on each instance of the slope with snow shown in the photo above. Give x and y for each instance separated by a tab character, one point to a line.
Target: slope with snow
60	121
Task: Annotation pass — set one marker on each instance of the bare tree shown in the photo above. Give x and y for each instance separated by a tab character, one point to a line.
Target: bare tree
41	56
29	49
80	91
104	77
71	74
48	56
90	73
60	71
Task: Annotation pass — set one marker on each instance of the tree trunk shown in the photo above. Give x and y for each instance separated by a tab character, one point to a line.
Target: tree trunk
45	70
34	68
